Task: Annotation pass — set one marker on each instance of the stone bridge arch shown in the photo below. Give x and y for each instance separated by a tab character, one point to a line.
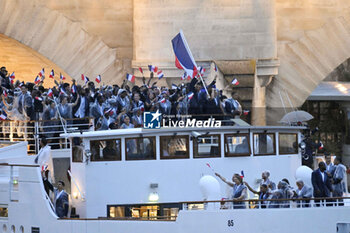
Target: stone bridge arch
307	61
59	39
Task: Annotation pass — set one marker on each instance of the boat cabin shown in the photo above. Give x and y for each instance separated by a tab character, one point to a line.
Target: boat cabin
127	172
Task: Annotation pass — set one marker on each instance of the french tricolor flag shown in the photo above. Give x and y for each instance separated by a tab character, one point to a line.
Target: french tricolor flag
130	78
183	56
160	74
184	76
163	100
4	93
84	78
52	74
3	117
173	86
190	95
235	82
49	93
320	146
37	80
98	78
246	112
141	70
109	111
201	70
39	98
42	72
12	76
74	89
62	91
215	68
152	68
62	77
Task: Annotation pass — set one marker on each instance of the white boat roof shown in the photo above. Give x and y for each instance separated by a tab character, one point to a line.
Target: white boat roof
135	131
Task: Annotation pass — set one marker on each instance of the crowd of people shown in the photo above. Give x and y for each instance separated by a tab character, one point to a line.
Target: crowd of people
113	106
328	181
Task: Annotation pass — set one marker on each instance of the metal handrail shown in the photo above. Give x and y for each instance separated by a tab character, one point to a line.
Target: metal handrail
256	200
31	131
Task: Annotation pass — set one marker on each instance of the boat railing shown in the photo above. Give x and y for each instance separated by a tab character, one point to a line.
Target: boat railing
315	202
33	131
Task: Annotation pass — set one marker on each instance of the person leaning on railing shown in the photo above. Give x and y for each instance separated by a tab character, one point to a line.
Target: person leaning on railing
263	194
303	191
239	190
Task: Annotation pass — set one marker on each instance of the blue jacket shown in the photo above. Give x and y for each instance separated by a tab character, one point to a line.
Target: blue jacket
322	188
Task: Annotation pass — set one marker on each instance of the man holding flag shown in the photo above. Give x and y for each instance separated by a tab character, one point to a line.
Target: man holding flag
184	59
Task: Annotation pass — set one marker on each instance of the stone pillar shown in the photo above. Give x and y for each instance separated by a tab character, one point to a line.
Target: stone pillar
265	71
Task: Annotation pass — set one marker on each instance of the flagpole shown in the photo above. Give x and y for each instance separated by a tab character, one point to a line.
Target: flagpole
205	87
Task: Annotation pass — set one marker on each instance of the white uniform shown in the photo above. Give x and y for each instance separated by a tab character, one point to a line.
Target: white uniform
45	160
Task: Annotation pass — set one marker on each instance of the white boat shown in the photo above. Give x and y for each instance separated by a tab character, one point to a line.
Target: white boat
147	181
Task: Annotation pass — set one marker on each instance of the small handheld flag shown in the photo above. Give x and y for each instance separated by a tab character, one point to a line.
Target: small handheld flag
74	89
210	167
49	93
152	68
42	72
173	86
62	91
37	80
242	174
163	100
183	77
190	95
246	112
3	117
201	70
62	77
52	74
39	98
160	74
141	70
12	77
215	68
98	78
130	78
84	78
4	93
235	82
320	146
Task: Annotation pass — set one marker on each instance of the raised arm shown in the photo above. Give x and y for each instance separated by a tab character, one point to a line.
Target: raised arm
250	188
224	180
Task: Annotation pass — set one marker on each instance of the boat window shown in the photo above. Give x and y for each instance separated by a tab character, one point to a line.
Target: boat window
288	143
77	150
264	144
206	146
3	212
105	150
116	212
237	145
174	147
140	148
163	211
